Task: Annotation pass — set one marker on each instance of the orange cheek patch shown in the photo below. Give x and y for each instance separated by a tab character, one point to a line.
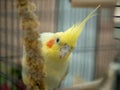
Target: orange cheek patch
50	43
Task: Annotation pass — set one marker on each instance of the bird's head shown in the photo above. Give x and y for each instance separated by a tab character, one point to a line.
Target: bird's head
60	45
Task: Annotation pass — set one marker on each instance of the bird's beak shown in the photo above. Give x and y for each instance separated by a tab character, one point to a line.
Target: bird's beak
64	51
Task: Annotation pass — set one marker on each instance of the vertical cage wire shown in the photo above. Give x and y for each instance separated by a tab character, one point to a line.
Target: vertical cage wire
10	44
83	58
106	45
117	37
52	14
0	44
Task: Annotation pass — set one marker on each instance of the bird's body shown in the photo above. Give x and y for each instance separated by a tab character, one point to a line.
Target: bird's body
56	50
57	68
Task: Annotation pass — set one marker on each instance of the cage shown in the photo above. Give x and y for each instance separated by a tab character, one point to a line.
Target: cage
98	45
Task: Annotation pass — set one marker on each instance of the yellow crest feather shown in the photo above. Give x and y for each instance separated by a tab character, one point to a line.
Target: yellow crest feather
73	33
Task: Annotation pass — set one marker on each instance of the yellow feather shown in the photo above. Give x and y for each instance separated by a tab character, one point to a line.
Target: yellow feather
72	34
57	67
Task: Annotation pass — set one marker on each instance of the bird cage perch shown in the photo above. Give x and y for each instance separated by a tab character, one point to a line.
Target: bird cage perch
93	3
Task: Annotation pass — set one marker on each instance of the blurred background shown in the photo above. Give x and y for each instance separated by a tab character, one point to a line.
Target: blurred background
97	46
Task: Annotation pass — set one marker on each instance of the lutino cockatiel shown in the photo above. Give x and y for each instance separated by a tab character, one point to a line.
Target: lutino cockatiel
56	50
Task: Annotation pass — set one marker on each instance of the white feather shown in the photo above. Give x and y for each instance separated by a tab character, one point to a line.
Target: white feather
44	37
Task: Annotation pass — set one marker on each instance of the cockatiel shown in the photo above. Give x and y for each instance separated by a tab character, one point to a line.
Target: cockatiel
57	49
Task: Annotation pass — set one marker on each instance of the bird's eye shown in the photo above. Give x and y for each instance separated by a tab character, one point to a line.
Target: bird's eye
57	40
